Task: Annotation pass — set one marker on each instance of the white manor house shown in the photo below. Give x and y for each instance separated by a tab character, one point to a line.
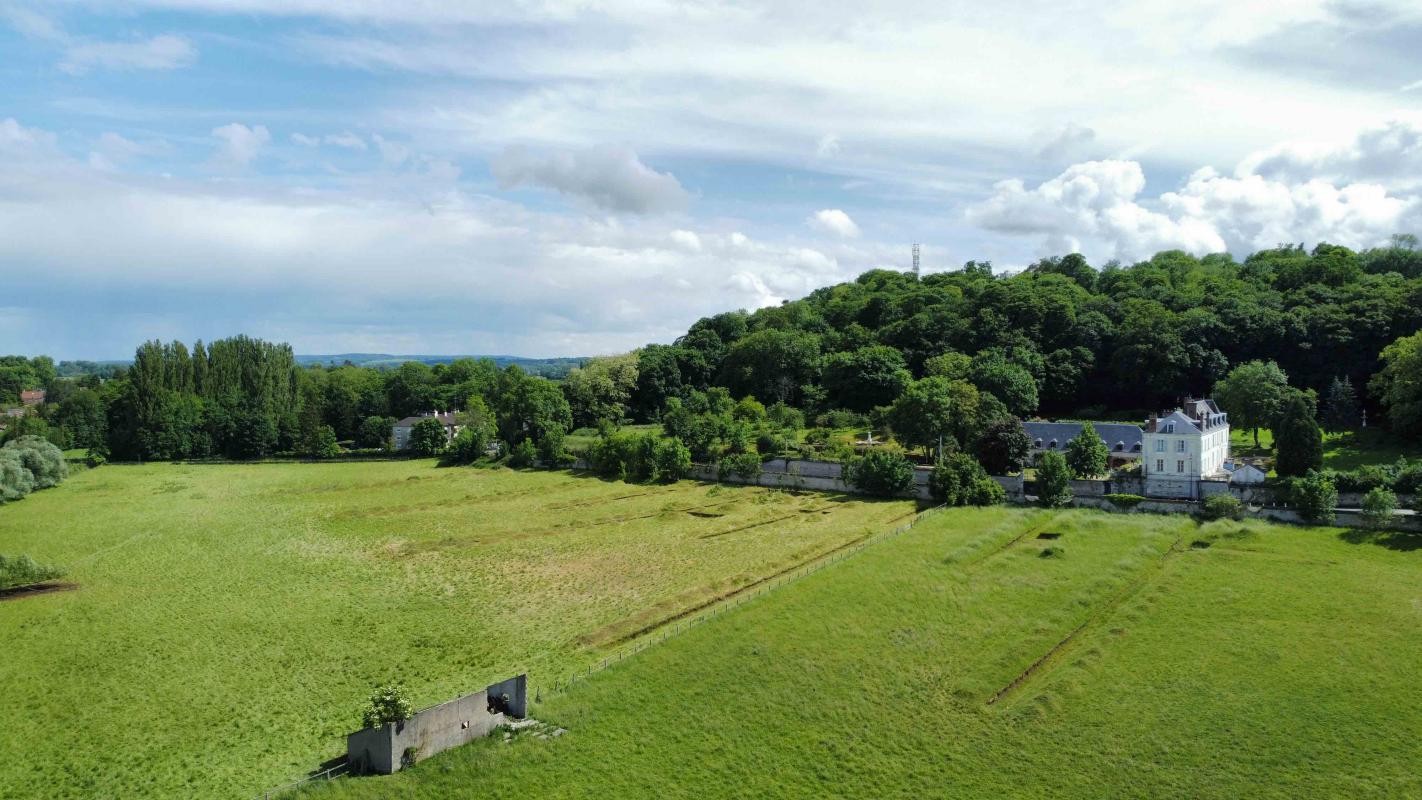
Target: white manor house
1185	447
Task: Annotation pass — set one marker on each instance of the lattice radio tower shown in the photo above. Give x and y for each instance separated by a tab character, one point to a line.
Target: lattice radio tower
915	259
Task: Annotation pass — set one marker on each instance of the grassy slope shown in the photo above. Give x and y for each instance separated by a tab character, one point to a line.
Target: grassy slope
1279	662
231	619
1341	451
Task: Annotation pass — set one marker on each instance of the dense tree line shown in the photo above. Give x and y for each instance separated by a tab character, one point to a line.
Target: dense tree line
948	361
1061	337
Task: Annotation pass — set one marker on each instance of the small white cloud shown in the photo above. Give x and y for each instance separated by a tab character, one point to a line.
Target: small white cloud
1411	87
829	146
348	140
835	221
239	144
611	178
393	153
739	239
686	239
305	141
159	52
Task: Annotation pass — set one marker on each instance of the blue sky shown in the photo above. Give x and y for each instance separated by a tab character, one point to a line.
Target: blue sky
561	178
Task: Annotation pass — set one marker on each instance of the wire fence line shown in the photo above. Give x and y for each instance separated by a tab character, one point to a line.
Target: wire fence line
720	607
328	774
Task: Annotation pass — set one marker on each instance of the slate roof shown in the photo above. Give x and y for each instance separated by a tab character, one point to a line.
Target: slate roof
446	419
1118	438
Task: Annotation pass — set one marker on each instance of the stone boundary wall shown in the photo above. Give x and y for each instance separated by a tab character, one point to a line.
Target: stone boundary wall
1343	518
437	729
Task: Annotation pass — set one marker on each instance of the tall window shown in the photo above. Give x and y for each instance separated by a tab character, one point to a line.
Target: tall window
1160	445
1180	466
1160	465
1180	446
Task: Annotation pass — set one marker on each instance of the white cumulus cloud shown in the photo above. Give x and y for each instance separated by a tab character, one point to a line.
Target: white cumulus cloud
239	144
1096	207
611	178
835	221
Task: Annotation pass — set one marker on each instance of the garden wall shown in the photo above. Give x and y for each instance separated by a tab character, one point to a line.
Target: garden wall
436	729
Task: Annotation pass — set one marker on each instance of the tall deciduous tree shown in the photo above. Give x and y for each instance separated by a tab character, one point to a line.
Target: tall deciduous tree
1298	441
1399	385
1003	446
1053	480
1252	394
865	378
1086	453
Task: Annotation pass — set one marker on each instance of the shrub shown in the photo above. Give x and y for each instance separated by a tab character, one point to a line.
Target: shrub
375	432
551	450
959	480
387	704
1315	497
786	416
841	418
15	480
1222	506
1408	477
745	466
322	444
1053	480
524	454
95	458
1378	507
23	571
469	445
625	456
44	461
1125	501
880	472
671	460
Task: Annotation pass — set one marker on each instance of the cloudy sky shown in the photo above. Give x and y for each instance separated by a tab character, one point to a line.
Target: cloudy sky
572	178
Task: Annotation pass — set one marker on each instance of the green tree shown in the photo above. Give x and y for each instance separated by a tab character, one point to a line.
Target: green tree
1378	507
772	364
428	437
375	431
1053	480
1298	441
41	458
932	409
959	480
601	389
1253	395
1315	497
387	705
1398	385
1007	381
322	444
671	461
865	378
880	472
16	481
552	452
1086	453
1340	405
528	406
1003	446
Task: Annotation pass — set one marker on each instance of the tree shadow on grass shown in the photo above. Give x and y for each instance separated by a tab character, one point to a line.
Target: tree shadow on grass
1392	540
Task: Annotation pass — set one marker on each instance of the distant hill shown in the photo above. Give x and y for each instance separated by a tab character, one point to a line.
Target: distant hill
550	367
547	367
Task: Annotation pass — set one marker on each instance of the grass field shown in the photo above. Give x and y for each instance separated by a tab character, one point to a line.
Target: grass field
230	620
1150	657
1341	451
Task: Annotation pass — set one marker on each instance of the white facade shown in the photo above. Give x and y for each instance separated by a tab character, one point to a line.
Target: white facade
1185	447
402	429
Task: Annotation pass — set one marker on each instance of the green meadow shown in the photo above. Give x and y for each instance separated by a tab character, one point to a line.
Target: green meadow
229	621
1128	656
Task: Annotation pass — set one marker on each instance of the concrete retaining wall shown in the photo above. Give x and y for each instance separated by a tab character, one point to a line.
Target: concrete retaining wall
437	729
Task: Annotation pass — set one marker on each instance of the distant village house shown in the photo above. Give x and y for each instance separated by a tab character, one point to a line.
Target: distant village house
32	397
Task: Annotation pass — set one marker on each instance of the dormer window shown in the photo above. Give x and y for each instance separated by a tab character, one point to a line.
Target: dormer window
1053	445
